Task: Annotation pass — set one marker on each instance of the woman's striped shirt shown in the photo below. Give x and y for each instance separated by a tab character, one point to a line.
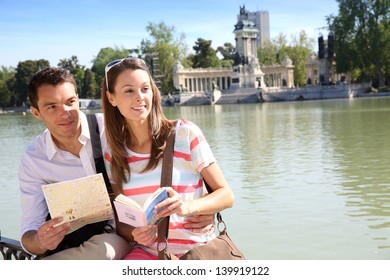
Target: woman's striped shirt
191	154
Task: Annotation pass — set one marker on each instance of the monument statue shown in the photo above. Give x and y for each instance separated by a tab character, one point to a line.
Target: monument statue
243	11
177	67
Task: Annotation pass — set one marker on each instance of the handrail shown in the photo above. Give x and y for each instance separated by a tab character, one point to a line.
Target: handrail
12	250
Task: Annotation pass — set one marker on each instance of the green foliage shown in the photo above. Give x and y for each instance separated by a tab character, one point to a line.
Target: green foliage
6	73
24	71
205	56
90	87
77	71
227	63
298	53
7	81
227	52
267	55
5	94
274	52
362	38
187	61
104	56
270	53
166	49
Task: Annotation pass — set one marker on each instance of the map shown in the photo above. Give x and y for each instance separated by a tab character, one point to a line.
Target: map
81	201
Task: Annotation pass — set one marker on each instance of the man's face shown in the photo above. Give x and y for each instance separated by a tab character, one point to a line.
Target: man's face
58	108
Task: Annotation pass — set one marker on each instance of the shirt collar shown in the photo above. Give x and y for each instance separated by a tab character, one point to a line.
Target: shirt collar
51	147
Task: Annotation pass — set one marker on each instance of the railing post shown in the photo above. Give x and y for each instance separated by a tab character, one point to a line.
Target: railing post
12	250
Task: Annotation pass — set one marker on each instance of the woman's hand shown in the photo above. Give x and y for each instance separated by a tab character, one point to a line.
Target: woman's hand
172	205
203	224
145	235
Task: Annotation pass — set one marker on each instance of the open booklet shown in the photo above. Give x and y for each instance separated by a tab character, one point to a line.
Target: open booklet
81	201
131	213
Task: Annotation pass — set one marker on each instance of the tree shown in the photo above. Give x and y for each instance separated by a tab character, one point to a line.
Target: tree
90	87
298	51
187	61
227	51
269	54
104	56
5	94
166	51
7	78
76	70
362	38
298	56
24	71
205	56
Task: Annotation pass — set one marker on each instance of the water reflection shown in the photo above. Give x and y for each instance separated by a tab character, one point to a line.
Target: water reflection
308	172
363	148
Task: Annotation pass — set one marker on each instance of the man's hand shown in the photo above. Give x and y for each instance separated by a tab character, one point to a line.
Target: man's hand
201	224
50	236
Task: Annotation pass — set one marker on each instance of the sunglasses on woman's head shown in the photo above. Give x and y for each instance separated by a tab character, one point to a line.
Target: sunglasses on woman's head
116	62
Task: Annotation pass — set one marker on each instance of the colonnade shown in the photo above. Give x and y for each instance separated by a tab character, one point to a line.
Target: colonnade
204	80
201	80
278	75
274	80
206	84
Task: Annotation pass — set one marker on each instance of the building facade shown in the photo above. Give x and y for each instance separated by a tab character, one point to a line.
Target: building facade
246	72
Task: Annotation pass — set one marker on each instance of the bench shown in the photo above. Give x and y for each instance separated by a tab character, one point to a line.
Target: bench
12	250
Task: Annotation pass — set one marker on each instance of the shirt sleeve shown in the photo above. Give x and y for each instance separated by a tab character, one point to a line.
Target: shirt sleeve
33	204
190	137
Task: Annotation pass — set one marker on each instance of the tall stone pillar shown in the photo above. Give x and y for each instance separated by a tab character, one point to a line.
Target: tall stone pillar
246	68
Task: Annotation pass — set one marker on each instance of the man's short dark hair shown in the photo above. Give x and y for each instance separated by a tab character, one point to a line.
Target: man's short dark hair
49	76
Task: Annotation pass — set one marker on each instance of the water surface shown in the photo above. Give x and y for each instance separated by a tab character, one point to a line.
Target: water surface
311	179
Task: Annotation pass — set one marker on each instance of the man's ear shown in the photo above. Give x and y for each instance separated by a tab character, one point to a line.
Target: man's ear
110	98
35	113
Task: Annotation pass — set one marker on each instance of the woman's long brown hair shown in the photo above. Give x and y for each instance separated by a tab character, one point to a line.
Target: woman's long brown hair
119	134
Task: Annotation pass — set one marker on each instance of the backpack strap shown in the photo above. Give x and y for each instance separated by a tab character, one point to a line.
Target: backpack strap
97	150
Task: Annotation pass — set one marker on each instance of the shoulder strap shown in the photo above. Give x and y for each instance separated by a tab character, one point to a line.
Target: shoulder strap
97	150
166	181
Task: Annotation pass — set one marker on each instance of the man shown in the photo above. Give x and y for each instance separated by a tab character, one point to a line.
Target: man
64	152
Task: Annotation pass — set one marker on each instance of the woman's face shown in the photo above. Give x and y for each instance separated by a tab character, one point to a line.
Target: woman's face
133	95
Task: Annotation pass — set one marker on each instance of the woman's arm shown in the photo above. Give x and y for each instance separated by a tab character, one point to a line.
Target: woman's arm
221	198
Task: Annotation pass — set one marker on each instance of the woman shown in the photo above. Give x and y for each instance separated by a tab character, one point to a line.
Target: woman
137	131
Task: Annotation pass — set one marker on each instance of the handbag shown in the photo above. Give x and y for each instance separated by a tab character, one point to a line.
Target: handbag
220	248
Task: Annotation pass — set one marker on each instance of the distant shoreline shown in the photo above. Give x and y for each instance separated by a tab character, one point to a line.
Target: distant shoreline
255	97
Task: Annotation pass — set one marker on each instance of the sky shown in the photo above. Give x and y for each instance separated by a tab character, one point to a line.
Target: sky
55	29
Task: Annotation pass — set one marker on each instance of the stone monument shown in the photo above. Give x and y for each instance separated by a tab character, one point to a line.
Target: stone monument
246	68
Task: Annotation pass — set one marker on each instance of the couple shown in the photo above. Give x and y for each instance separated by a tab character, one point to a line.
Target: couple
133	133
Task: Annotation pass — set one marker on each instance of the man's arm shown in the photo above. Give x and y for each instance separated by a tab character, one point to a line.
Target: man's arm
34	239
31	243
47	237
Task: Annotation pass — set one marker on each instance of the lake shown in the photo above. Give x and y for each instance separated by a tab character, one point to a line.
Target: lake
311	179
